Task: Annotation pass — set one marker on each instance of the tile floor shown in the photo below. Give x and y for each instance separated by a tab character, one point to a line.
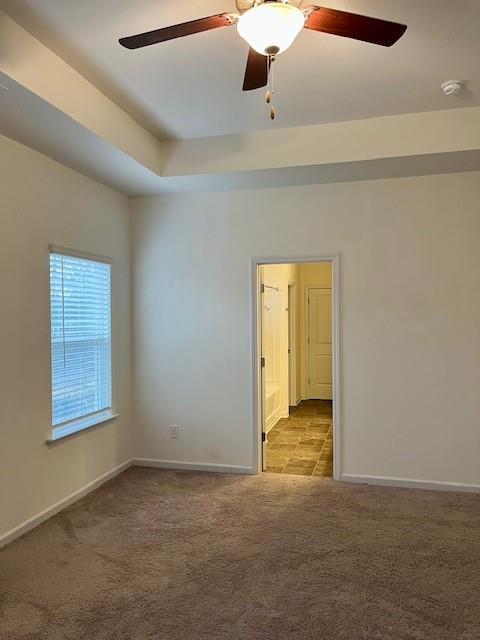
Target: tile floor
303	443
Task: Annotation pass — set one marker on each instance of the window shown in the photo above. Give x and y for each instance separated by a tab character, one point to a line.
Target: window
80	314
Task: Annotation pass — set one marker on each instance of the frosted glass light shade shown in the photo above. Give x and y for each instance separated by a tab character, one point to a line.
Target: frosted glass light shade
271	24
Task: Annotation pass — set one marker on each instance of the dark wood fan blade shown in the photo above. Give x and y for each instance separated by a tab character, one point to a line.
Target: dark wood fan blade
351	25
177	31
256	73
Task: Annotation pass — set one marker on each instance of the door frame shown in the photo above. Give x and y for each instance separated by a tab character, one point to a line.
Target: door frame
257	417
292	345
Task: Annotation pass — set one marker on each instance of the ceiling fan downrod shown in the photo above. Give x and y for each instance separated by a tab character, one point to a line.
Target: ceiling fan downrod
271	57
269	95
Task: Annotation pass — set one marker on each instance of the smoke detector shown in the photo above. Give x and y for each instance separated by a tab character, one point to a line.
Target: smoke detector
452	87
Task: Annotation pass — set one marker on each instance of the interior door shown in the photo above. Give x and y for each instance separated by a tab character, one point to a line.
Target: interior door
261	304
320	344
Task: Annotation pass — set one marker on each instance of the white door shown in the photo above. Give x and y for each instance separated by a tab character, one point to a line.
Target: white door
320	344
261	302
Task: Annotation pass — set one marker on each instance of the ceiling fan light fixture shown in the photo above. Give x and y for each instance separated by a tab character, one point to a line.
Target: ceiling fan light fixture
271	27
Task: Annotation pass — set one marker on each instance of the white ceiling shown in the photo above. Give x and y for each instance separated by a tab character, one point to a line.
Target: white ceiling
192	86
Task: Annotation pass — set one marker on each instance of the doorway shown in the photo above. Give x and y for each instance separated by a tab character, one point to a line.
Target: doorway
296	375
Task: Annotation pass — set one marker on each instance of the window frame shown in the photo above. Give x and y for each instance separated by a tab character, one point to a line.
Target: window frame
77	425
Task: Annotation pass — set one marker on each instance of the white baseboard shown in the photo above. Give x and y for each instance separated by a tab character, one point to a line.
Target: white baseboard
410	483
274	418
192	466
33	522
271	421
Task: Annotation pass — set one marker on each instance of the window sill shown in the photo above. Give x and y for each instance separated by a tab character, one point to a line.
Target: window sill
78	426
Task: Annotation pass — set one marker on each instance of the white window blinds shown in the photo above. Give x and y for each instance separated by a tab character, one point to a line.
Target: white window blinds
80	309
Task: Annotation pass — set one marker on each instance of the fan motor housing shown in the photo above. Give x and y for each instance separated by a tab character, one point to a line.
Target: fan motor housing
245	5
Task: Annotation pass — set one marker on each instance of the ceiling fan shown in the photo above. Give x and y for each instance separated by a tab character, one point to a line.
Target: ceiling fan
271	26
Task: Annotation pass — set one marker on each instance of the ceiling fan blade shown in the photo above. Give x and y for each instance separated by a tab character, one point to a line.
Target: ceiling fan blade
352	25
178	31
256	73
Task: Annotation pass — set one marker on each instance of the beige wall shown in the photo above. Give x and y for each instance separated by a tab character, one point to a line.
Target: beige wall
410	312
42	202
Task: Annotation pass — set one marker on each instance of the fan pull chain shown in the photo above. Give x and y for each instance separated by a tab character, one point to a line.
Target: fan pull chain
270	90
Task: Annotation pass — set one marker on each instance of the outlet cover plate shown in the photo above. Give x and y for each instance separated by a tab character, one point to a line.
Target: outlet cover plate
173	431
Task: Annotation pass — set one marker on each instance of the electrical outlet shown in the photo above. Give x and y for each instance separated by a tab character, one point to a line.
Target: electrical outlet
173	431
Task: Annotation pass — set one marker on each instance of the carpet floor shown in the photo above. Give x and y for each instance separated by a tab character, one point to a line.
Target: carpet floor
180	555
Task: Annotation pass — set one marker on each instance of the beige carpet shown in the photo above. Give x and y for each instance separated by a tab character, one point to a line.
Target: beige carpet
167	555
